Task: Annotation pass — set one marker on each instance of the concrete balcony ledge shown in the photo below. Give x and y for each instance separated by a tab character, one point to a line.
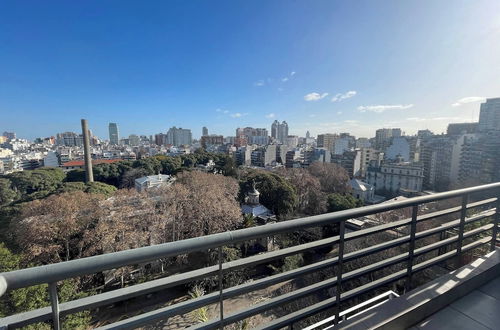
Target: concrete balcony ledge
416	306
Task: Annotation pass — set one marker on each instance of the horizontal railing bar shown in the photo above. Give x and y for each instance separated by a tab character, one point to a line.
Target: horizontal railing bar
26	318
255	309
164	313
397	224
157	285
452	224
328	303
164	283
450	240
330	282
94	264
407	221
348	276
110	297
376	248
431	262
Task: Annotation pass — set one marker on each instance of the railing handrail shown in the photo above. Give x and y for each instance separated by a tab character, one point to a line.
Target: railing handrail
84	266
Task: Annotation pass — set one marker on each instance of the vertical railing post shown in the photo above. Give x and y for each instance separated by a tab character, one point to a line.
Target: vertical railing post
461	228
339	271
411	247
221	300
496	220
54	302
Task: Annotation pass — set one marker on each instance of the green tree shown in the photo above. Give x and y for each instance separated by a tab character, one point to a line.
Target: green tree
276	193
226	165
169	165
339	202
7	194
100	188
128	178
90	187
37	183
77	175
111	173
149	166
71	186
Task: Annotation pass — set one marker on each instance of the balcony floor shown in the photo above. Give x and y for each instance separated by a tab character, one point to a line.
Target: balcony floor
480	309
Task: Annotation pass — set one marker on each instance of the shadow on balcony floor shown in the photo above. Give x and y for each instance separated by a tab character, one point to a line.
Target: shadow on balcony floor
479	309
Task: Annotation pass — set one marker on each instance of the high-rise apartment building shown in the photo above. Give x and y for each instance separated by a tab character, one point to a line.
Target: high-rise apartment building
160	139
252	135
114	137
327	141
133	140
350	161
264	156
279	131
10	135
211	140
179	136
489	115
69	139
383	137
480	159
204	131
462	128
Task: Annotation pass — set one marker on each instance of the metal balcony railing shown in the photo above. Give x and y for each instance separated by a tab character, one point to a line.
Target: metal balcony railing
52	274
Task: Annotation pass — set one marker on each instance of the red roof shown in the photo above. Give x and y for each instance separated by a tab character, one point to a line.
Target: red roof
94	162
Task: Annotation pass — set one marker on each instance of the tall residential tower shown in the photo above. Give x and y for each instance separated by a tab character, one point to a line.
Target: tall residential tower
113	134
489	115
279	131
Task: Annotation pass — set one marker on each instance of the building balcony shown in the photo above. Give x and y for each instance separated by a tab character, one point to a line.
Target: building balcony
397	281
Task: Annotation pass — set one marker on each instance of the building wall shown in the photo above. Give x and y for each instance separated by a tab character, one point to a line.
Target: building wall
489	115
114	136
399	147
396	177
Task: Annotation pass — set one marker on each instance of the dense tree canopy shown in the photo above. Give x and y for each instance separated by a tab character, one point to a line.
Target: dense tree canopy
206	203
311	200
36	183
333	178
340	202
276	193
91	187
7	193
51	229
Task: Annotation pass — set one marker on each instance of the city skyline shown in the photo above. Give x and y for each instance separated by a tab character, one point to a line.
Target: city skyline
324	69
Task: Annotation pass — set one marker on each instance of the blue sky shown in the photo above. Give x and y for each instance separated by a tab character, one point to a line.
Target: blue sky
323	66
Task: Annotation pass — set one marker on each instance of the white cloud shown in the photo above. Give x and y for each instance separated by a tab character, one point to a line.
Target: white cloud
339	97
238	114
351	121
284	79
280	89
226	111
418	119
270	115
259	83
448	119
315	96
339	112
382	108
469	99
312	115
218	110
292	73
